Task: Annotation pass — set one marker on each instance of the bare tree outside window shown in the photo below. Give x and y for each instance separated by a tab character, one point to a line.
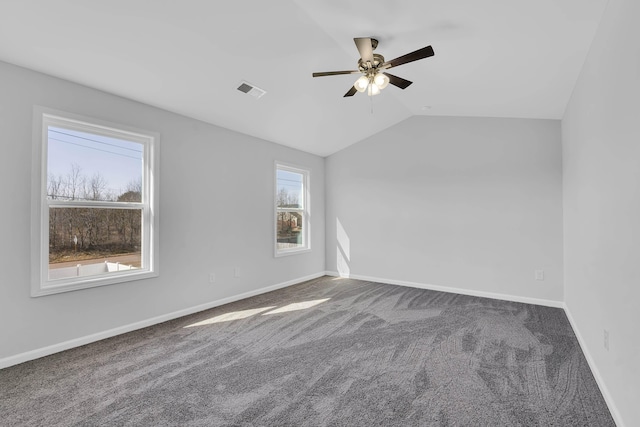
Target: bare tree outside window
101	233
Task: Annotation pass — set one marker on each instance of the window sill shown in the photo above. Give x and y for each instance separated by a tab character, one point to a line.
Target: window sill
56	287
279	254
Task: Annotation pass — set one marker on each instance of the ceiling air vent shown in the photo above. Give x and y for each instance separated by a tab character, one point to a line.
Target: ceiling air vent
252	90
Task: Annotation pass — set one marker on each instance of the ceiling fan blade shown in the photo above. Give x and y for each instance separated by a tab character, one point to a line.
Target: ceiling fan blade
425	52
351	92
364	47
335	73
398	81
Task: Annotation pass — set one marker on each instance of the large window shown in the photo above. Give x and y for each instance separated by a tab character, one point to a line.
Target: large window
292	210
94	203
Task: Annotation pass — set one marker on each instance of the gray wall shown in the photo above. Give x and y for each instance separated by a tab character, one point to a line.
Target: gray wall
601	153
216	213
473	203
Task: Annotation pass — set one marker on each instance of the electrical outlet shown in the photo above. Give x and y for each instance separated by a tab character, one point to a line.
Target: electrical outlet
236	272
539	274
606	340
212	277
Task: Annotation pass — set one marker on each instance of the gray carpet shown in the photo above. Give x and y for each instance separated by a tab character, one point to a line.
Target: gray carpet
371	354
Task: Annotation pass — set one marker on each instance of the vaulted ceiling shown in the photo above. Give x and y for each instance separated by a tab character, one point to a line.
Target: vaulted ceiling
493	58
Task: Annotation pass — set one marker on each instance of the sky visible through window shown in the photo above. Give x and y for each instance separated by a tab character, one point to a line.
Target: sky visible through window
118	162
291	182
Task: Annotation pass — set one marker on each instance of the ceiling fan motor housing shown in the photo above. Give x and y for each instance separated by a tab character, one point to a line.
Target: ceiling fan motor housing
367	66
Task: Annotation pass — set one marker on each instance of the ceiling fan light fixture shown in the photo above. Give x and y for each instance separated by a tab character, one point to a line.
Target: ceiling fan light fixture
361	84
373	67
381	80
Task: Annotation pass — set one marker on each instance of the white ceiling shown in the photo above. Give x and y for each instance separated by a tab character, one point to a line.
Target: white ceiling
497	58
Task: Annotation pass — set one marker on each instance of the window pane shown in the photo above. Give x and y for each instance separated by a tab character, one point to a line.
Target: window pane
86	166
290	189
100	240
290	230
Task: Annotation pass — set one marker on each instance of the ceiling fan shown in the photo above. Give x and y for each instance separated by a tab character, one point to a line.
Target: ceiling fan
373	68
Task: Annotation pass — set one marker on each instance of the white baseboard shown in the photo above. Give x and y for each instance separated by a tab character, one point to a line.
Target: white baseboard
77	342
492	295
594	369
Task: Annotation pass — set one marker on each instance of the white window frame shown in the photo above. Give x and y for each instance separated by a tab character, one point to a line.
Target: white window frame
40	283
305	210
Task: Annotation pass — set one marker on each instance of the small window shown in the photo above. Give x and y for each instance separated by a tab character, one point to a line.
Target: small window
292	210
95	203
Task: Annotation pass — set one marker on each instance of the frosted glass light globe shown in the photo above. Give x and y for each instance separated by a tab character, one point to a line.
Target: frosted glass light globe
361	84
381	80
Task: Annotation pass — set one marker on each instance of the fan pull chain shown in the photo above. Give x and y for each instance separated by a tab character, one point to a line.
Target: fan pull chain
371	98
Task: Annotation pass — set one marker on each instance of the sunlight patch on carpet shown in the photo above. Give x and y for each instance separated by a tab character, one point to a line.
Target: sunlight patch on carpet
227	317
297	306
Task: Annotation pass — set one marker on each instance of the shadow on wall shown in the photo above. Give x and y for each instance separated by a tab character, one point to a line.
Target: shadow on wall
343	250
